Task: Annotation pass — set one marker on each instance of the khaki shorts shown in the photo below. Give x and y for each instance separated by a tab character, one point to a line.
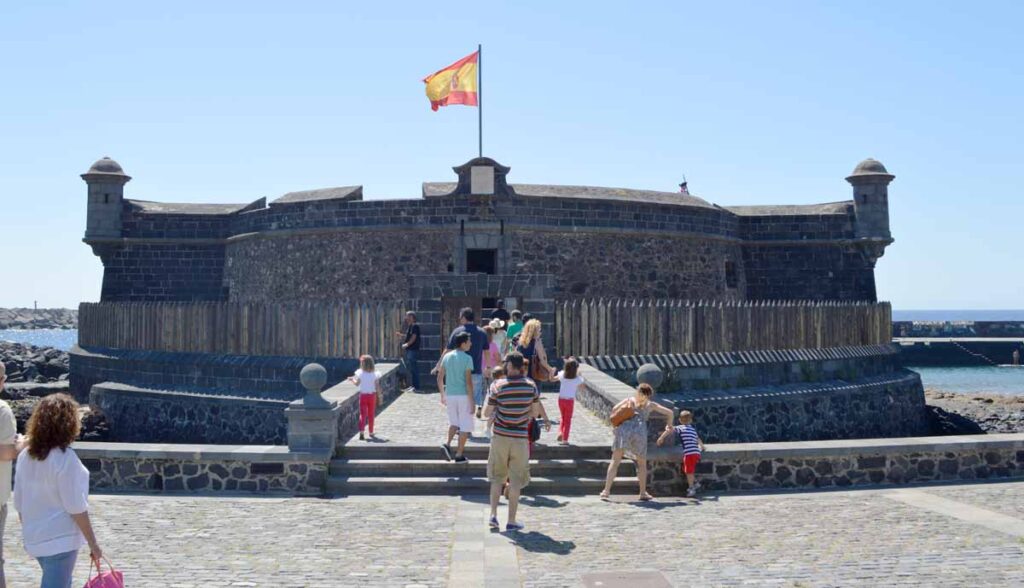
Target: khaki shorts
509	459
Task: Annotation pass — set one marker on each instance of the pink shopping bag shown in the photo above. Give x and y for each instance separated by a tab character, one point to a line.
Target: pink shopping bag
108	579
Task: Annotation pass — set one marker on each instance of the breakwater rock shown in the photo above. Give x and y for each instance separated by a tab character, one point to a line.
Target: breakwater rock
38	318
35	372
31	364
967	414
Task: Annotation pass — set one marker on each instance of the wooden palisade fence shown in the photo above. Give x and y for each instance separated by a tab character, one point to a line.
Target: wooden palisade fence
340	329
650	327
582	326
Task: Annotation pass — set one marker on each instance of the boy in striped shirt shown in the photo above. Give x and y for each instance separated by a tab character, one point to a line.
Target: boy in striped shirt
687	438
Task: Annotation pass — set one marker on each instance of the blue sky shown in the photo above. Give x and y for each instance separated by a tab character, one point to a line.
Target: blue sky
755	102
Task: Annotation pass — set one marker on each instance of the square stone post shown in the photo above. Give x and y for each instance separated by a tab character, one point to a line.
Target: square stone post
312	421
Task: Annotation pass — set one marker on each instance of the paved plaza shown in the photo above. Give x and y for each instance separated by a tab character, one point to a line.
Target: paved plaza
962	535
420	419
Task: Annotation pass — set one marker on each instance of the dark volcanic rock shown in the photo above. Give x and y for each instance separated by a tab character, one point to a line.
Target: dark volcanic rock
27	363
960	414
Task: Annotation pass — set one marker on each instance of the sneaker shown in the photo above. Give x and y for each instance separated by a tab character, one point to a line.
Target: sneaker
494	523
514	527
461	459
447	451
691	492
361	437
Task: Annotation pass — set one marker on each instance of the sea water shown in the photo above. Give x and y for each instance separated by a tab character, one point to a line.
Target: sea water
60	338
958	315
997	380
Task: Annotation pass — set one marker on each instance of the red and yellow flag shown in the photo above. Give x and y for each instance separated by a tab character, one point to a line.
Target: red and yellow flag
455	84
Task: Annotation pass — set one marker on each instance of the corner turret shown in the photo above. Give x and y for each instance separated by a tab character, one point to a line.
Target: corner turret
870	181
106	182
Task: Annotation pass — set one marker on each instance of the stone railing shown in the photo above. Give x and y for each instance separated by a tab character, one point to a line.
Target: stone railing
845	463
346	397
151	467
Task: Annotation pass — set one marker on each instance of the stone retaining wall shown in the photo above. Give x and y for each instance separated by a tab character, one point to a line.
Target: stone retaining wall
873	400
139	415
826	464
692	372
147	467
272	377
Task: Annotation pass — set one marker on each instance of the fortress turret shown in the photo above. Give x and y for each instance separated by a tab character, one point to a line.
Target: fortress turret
106	182
870	181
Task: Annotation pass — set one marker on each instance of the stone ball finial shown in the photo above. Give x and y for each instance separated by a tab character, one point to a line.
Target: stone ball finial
650	374
313	378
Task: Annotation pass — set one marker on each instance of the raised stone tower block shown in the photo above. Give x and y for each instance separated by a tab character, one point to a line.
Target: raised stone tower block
106	182
870	181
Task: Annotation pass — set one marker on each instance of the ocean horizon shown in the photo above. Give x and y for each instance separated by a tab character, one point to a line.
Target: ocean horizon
958	315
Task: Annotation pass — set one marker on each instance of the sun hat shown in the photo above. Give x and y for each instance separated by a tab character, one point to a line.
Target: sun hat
496	324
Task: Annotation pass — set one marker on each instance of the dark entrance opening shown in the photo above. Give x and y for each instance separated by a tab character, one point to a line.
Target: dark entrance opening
481	261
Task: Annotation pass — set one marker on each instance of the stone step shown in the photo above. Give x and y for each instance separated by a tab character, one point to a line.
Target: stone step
386	468
560	485
370	450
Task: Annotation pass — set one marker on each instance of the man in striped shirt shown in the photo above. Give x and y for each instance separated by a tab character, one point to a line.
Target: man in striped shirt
515	401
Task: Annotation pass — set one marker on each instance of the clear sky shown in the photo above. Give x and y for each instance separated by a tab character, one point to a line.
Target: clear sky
756	102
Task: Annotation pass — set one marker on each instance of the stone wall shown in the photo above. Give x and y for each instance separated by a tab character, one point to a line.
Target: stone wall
163	272
139	415
838	464
854	393
694	373
356	265
270	377
822	271
148	467
607	264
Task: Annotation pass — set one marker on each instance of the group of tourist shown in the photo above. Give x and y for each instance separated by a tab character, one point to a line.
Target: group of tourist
471	377
51	487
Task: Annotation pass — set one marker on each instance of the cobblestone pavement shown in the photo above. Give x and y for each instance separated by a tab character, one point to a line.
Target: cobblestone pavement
419	419
926	536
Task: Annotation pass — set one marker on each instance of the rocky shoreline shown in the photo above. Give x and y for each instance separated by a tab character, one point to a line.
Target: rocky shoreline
956	413
38	318
35	372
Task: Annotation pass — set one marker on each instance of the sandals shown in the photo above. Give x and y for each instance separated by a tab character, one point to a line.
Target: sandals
603	495
645	497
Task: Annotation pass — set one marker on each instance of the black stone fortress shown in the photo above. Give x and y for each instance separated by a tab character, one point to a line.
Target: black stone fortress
744	300
594	242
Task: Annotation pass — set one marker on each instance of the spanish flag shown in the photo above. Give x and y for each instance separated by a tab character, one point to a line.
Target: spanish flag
455	84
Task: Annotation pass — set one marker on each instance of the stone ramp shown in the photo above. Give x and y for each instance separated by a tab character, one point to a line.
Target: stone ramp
406	457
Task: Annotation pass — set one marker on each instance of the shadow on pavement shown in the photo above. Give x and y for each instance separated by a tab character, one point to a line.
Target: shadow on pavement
541	502
535	542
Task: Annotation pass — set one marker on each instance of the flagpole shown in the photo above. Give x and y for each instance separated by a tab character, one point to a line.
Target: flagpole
480	97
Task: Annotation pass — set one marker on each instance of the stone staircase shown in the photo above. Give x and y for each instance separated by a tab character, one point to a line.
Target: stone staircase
423	470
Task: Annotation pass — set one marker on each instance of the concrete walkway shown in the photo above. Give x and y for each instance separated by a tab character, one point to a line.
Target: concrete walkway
961	535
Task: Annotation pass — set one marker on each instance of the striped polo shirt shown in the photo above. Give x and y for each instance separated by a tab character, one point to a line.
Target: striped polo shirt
686	436
512	401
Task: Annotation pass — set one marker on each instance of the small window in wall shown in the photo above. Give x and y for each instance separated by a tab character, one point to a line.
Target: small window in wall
106	199
481	261
731	279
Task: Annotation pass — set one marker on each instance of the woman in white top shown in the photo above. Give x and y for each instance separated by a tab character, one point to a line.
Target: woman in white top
570	382
51	492
368	381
